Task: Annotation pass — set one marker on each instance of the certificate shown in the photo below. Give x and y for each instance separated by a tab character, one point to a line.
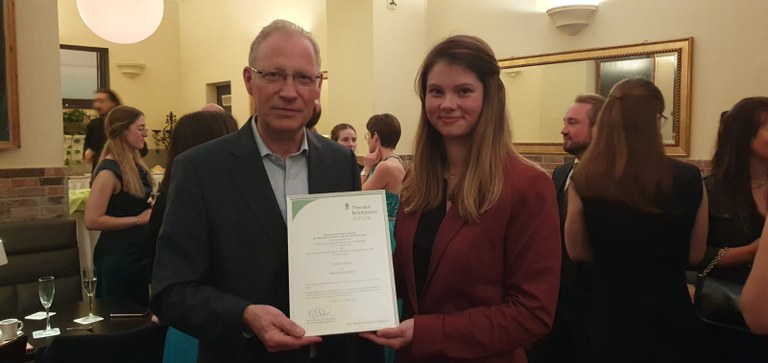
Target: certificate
340	263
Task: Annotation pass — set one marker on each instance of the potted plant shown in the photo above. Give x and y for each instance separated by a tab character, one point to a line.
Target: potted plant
74	121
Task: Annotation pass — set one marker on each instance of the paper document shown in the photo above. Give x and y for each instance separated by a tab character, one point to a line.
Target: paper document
340	263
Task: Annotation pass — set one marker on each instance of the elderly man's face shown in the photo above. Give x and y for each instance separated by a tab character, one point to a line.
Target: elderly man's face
283	106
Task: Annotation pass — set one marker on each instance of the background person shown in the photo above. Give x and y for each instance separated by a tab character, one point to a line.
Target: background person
221	269
478	257
565	341
754	298
640	217
738	190
192	129
317	111
346	135
103	102
383	168
119	207
95	138
213	107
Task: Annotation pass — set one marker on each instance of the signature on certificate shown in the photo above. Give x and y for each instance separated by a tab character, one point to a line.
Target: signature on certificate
319	313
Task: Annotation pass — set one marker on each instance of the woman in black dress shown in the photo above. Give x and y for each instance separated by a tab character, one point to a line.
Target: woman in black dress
640	216
738	190
192	129
119	207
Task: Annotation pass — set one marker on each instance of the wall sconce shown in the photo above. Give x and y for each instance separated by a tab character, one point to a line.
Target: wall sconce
130	69
571	18
122	21
163	137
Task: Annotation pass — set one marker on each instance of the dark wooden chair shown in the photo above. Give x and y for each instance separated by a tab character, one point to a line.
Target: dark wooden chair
36	248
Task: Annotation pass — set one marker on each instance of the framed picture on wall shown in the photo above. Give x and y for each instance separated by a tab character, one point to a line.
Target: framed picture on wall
9	94
610	72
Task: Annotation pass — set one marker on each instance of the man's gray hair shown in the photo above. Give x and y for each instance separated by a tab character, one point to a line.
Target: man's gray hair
280	26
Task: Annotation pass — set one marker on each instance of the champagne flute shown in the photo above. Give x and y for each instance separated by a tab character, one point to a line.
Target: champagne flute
46	289
89	284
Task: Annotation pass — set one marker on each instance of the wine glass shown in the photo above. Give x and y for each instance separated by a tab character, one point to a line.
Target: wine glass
46	289
89	284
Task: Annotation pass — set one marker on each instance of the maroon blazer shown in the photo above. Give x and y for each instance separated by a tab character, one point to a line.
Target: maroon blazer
492	285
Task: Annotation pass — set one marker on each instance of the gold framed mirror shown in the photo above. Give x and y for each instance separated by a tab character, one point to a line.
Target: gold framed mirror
540	89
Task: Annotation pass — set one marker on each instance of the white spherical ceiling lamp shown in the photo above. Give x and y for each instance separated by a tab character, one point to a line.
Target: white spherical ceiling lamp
121	21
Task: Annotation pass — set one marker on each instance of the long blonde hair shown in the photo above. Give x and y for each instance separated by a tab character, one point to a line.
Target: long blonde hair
480	187
118	120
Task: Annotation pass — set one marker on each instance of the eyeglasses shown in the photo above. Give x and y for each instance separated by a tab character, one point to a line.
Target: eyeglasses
369	136
279	78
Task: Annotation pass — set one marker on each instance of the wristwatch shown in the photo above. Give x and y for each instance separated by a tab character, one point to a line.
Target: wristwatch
363	173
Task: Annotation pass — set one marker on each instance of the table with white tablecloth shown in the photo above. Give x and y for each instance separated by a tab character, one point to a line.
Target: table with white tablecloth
86	240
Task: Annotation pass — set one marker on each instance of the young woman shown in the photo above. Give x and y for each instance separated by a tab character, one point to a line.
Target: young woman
192	129
640	216
478	256
738	191
346	135
119	206
754	299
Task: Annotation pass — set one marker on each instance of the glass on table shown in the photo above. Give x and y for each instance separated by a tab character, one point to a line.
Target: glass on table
46	289
89	284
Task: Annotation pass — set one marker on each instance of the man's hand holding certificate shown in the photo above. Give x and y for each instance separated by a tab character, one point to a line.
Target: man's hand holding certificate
340	263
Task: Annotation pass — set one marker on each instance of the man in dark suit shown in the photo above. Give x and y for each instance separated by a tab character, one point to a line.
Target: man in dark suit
566	337
95	138
221	270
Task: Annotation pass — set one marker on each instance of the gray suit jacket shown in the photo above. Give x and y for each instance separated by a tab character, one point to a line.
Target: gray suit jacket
223	243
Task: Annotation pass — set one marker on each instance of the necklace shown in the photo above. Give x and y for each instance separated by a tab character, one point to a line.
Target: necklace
759	182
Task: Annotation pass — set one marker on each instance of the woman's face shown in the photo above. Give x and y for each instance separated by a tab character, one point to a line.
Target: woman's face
453	100
373	141
134	135
760	141
348	138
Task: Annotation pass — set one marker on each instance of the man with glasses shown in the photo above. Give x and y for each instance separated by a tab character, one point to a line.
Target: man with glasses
221	271
564	341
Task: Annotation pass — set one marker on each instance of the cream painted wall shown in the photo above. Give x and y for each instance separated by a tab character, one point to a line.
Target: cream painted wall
39	92
157	90
215	37
524	95
544	93
400	45
350	67
729	59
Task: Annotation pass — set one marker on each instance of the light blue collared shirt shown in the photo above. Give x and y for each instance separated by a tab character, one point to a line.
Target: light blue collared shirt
288	176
